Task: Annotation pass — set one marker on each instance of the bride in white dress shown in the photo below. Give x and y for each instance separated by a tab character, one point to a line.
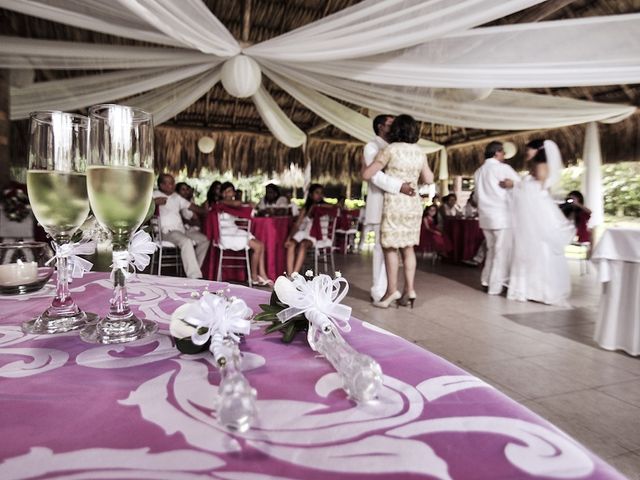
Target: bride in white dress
539	269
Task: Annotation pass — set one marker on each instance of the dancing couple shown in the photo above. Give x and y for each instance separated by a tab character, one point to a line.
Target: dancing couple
525	231
393	164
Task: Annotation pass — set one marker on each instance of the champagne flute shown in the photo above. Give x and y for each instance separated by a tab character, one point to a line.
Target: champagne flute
120	183
57	186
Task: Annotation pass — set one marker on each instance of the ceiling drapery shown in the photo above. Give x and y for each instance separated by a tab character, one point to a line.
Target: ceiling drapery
425	58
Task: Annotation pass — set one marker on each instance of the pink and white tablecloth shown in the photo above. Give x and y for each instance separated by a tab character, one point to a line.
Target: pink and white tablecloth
74	410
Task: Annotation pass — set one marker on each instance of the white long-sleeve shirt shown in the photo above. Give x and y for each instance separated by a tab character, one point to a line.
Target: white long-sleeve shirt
493	200
379	183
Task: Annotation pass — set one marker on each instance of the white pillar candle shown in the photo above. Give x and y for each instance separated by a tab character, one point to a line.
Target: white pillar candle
20	273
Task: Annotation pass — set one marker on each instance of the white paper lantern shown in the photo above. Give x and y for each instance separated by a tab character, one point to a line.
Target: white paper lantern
241	76
206	144
510	150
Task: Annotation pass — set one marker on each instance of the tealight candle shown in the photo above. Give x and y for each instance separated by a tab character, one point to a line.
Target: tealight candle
20	273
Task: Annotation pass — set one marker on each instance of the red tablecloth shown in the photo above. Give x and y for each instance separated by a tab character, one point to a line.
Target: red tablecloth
465	236
272	231
346	220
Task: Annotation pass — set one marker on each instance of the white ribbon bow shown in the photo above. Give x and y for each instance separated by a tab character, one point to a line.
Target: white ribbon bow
222	318
77	266
319	299
137	256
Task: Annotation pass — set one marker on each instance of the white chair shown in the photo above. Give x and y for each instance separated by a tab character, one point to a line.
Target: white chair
580	251
323	248
349	233
167	253
235	255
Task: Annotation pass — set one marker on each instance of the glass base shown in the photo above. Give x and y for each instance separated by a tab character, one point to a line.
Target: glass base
45	324
108	331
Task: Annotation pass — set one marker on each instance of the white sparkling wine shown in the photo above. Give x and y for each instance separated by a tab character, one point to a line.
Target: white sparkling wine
58	200
120	196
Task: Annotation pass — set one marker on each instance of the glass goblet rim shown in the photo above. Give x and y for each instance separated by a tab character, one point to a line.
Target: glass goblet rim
139	115
44	117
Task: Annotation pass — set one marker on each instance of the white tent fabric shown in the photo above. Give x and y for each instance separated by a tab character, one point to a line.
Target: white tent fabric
374	26
592	158
277	121
74	93
502	109
581	51
188	23
16	52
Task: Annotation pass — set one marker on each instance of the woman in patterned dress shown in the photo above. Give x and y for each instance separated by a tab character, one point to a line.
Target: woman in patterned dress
401	214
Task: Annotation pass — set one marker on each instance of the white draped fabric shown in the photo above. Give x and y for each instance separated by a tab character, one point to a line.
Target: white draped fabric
379	54
582	51
592	158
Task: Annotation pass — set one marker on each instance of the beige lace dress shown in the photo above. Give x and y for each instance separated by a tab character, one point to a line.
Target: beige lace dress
401	214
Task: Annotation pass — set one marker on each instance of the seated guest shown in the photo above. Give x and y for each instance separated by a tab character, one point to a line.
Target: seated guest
170	205
213	194
471	208
234	238
436	241
450	208
191	220
574	209
300	239
272	200
341	201
288	194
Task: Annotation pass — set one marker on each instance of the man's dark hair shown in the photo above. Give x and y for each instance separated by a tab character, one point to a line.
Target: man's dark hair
492	149
404	129
179	185
161	178
379	121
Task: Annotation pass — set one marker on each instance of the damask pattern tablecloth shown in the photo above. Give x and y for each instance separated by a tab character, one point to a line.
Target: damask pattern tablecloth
74	410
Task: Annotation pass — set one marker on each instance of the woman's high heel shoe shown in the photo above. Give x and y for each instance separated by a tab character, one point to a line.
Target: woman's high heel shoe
390	299
408	299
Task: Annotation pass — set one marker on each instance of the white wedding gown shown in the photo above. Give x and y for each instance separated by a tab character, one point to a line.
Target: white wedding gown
539	269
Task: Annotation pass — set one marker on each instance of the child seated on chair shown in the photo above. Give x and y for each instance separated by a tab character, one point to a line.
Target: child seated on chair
234	238
300	239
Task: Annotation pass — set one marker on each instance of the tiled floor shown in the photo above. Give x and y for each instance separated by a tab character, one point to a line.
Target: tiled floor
541	356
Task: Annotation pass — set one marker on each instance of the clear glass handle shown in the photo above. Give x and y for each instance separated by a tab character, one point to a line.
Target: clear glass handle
237	399
361	375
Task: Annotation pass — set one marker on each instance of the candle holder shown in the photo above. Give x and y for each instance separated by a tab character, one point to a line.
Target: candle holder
23	267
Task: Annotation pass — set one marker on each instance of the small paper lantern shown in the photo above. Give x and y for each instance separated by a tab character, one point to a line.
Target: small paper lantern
510	149
206	144
241	76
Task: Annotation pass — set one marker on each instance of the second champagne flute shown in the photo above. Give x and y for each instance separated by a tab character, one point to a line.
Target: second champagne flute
120	183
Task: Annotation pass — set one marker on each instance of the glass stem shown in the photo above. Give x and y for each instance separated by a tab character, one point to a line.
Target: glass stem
63	297
120	303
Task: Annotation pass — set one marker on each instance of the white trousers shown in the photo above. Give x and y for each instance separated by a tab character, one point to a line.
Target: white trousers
379	286
192	257
496	266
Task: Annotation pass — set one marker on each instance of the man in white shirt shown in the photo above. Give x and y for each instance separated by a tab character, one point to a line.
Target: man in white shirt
379	184
493	180
170	205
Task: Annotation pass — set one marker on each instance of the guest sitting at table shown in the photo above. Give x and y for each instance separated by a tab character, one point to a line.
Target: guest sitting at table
191	220
234	238
450	207
170	205
436	240
213	194
574	209
341	201
293	206
471	208
300	239
273	202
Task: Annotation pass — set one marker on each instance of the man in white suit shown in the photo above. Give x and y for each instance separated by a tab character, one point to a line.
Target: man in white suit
379	184
493	180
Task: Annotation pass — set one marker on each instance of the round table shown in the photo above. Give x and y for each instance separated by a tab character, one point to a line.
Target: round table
143	410
465	236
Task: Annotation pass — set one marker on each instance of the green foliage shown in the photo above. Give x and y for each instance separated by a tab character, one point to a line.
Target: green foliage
620	187
289	329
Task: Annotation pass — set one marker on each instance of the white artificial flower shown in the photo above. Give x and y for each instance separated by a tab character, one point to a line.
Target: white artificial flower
178	327
308	273
338	274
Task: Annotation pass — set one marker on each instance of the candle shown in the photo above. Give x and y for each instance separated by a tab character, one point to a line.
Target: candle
20	273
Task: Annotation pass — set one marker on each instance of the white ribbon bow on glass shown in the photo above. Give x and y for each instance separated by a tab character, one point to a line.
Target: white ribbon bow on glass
77	266
318	299
137	256
218	318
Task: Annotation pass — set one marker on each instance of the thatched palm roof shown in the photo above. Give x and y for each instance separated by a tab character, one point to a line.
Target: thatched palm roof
244	142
